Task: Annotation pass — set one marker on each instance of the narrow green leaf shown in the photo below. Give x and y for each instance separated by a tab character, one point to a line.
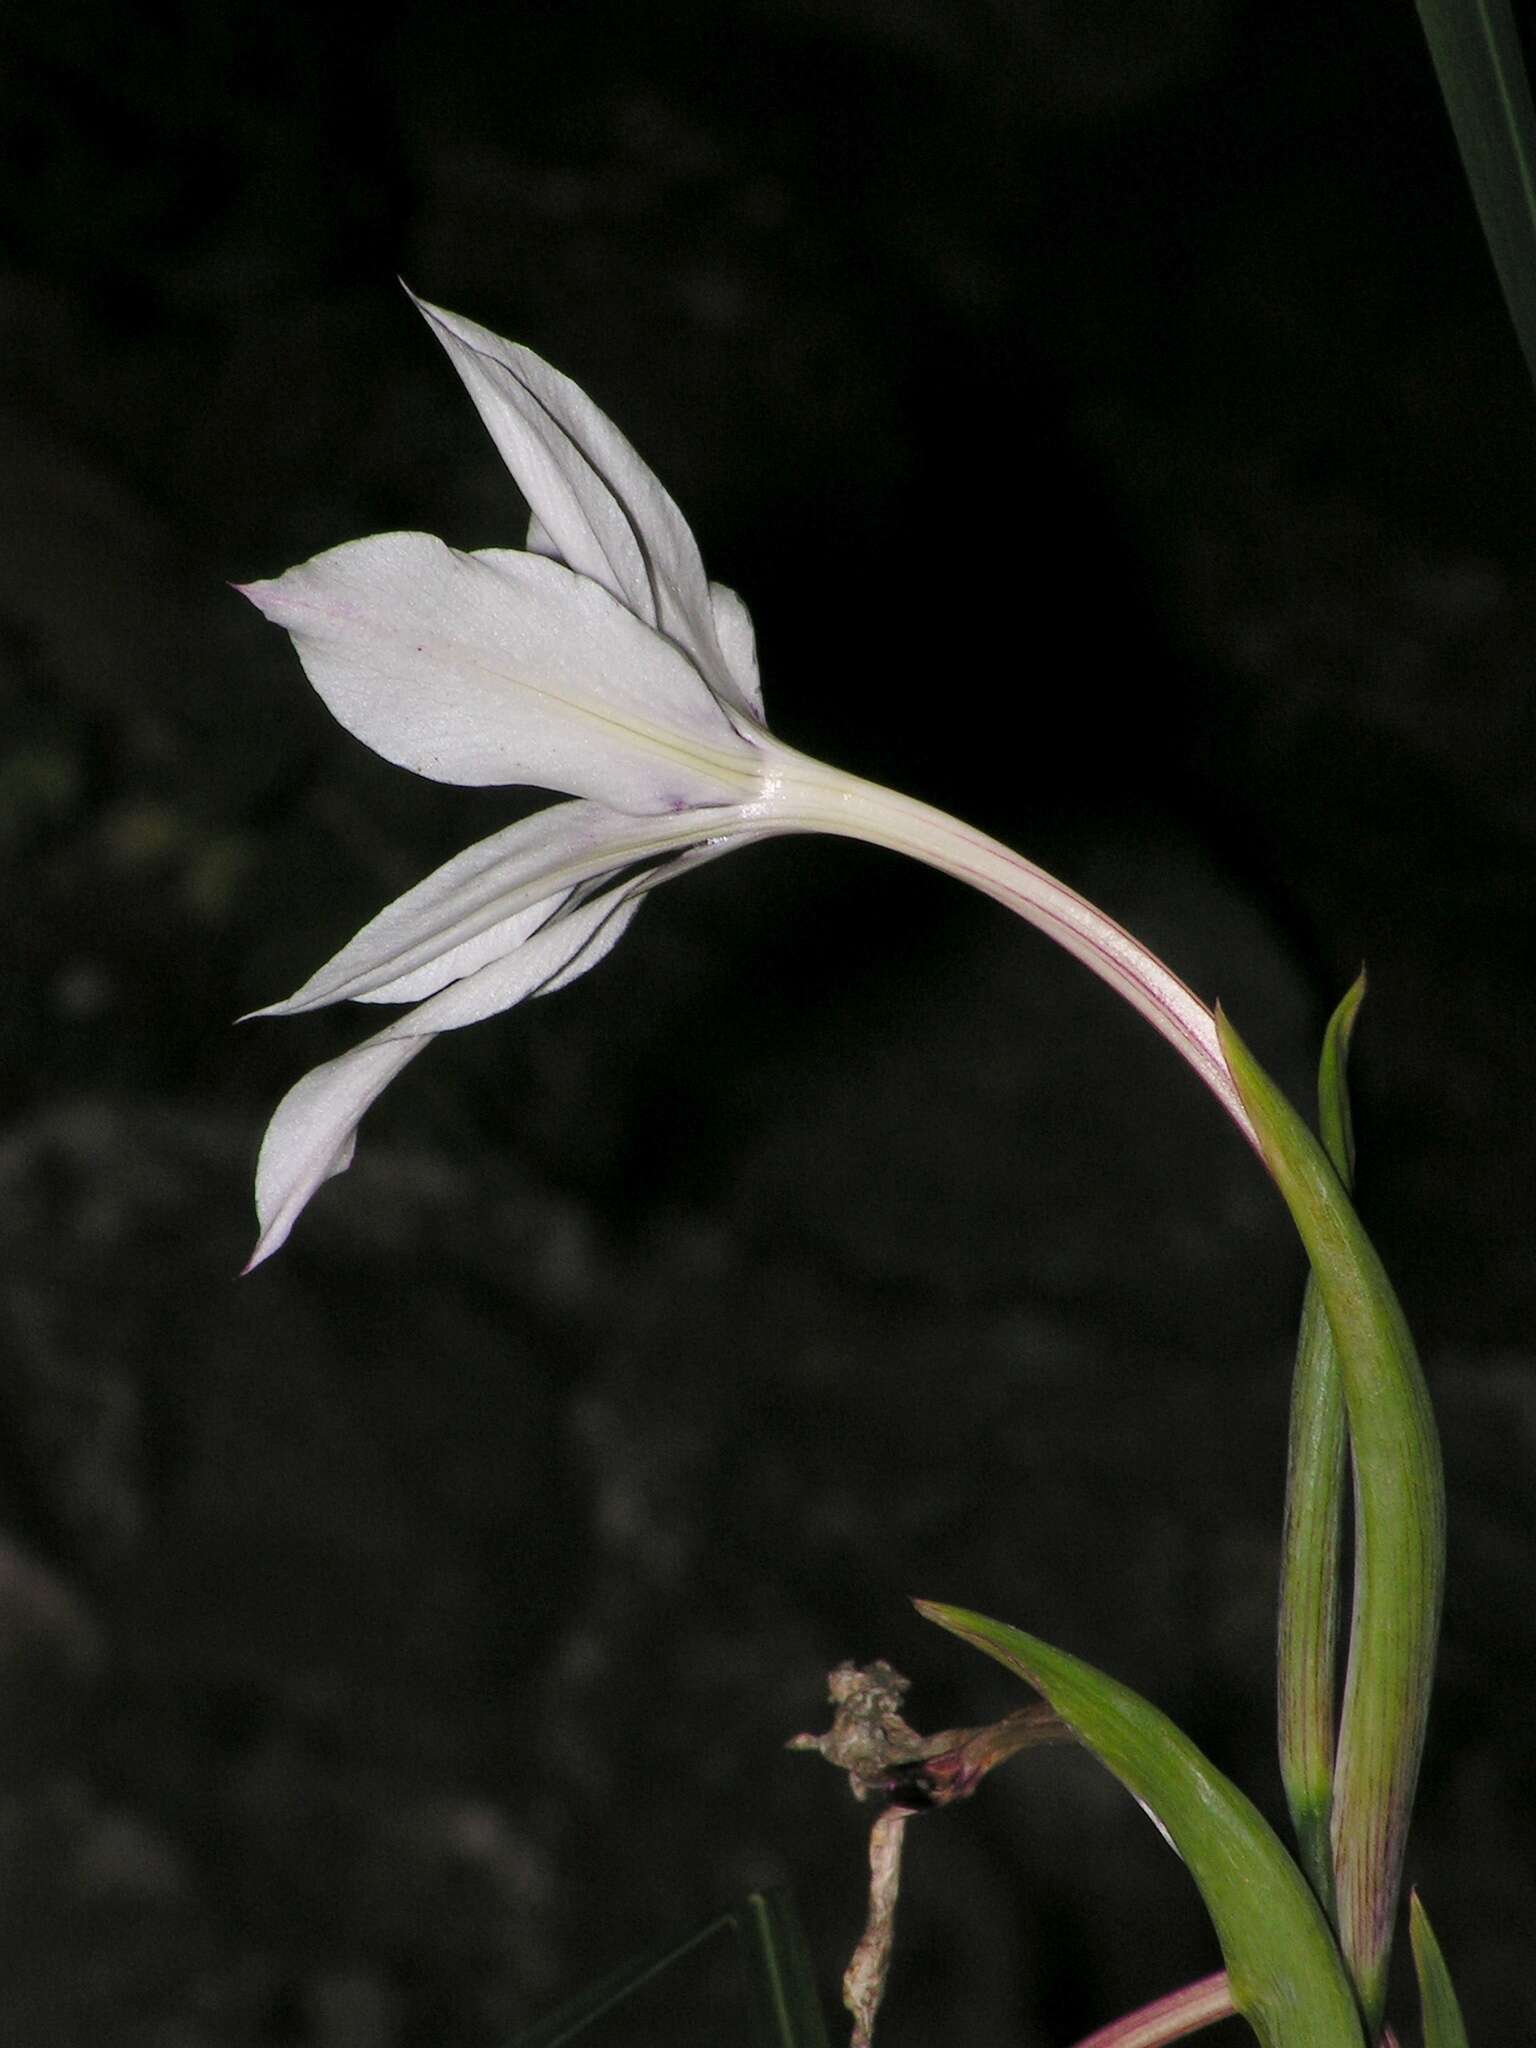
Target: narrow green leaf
782	1982
1283	1968
1443	2024
1399	1532
1310	1562
1336	1119
1475	48
595	2000
1314	1518
781	1991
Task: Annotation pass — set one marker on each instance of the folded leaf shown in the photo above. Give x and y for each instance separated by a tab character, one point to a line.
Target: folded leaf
1399	1532
1314	1520
1284	1971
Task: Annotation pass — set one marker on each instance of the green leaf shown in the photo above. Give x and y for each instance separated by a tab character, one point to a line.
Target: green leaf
1283	1967
1310	1560
782	1982
1443	2024
1399	1532
1312	1544
1475	48
782	2007
1334	1113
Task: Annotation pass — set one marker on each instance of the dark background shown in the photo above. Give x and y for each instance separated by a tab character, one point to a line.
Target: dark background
1110	418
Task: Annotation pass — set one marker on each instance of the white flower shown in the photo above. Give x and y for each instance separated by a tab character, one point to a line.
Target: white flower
600	662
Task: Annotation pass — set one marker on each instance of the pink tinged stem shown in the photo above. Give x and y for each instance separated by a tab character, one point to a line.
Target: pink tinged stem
1198	2005
805	796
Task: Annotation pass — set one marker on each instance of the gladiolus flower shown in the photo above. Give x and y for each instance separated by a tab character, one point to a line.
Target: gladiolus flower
601	662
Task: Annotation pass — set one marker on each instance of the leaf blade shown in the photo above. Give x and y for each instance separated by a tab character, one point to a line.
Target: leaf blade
781	1979
1399	1532
783	2006
1443	2023
1283	1967
1312	1542
1475	48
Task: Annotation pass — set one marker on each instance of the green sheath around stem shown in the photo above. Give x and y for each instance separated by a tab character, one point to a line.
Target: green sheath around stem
1399	1533
1310	1553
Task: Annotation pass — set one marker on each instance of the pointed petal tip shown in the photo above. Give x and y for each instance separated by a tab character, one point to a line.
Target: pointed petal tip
446	324
313	1132
272	1239
260	592
289	1006
285	1006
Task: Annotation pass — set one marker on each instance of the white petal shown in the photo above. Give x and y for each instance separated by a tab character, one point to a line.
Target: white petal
565	945
539	542
622	903
469	956
477	905
600	943
504	667
598	507
738	645
313	1133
